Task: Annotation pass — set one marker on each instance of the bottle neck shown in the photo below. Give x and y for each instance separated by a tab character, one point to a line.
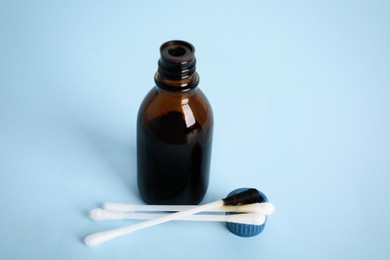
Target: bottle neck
181	85
177	67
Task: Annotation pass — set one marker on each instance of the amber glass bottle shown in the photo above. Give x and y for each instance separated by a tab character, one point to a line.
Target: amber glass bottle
174	132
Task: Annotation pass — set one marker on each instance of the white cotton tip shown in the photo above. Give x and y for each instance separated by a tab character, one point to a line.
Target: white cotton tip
100	237
100	214
90	242
265	208
268	208
248	218
94	239
95	214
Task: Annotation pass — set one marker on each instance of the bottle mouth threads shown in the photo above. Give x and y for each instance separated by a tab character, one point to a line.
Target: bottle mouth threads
177	65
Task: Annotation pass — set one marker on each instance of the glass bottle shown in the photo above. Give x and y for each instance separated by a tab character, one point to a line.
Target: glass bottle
174	131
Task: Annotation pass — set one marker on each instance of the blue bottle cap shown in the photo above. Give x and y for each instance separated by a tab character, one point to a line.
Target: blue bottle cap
245	230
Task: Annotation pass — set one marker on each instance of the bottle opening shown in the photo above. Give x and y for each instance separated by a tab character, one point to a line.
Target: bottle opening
177	51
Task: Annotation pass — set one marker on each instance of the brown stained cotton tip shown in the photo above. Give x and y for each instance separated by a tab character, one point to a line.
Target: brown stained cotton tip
246	197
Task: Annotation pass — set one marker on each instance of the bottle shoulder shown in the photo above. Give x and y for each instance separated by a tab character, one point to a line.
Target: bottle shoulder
191	104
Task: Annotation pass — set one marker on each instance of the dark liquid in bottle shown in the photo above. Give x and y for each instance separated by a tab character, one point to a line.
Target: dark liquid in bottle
173	160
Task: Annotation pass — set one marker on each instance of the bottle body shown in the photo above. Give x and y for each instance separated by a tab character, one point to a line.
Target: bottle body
174	141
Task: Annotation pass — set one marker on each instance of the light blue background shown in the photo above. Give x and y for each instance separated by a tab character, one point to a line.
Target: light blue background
300	92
